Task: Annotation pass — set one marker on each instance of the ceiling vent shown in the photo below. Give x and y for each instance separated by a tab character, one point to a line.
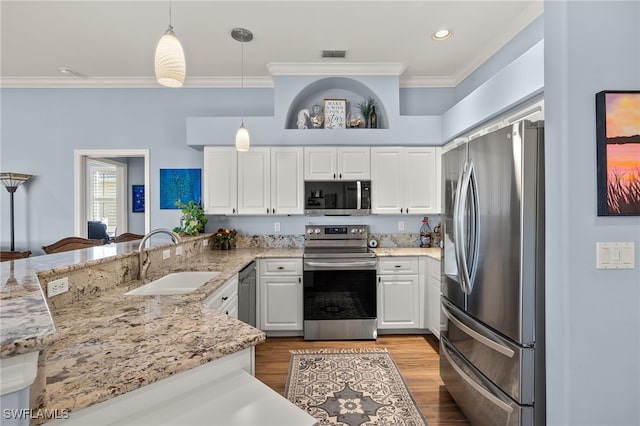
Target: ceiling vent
334	53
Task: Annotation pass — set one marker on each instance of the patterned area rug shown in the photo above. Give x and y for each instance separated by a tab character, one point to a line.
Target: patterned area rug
351	387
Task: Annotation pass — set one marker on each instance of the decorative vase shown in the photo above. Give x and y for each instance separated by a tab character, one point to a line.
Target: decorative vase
225	245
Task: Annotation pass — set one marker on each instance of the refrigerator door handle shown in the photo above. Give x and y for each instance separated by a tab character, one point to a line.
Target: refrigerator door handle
461	249
456	229
481	390
477	336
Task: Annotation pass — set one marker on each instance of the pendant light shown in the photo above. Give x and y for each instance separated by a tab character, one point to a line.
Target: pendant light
242	135
169	61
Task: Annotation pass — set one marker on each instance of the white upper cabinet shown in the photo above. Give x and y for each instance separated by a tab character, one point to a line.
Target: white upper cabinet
331	163
254	181
220	185
405	180
270	181
287	181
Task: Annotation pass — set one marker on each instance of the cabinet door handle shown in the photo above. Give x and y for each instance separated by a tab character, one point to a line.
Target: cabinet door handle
401	209
273	211
340	175
280	267
224	298
379	280
334	175
407	210
398	266
226	312
234	210
299	280
267	210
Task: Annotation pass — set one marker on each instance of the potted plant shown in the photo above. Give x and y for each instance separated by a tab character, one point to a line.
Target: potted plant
366	107
193	218
226	237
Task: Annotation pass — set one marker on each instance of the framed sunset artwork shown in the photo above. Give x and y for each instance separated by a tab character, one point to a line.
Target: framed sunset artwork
618	152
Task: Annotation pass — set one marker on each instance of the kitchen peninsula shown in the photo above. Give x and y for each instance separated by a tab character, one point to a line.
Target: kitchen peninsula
95	343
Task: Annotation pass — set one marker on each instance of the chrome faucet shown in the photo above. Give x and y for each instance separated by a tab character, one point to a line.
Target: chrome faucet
143	256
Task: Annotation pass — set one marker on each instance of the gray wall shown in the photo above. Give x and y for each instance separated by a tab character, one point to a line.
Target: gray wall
593	325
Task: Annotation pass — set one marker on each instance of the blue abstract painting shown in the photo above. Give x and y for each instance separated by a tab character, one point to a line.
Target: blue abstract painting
179	184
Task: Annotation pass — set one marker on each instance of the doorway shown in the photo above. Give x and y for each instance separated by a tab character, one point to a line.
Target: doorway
81	182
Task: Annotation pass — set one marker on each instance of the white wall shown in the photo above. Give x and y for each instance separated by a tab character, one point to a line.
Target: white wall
593	321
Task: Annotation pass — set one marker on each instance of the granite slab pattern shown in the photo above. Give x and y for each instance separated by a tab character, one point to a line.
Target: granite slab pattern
433	252
112	344
107	344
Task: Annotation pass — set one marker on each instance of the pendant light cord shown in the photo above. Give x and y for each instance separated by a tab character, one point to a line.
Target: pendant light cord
170	26
242	81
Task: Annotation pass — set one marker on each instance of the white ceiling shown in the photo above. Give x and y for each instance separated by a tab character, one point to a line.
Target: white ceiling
112	43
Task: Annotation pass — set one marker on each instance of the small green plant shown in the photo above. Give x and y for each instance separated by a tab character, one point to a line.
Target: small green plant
193	219
366	106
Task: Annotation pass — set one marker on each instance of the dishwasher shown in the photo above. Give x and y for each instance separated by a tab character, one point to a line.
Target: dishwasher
247	294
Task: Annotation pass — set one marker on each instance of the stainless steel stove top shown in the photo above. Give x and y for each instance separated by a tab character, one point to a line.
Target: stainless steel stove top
331	241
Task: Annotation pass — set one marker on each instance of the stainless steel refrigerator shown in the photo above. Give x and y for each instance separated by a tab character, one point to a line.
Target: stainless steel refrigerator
492	341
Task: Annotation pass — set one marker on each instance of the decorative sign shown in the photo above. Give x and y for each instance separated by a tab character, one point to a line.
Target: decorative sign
335	113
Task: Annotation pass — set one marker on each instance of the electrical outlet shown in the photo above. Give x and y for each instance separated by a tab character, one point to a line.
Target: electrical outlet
179	251
276	226
166	254
205	243
401	226
58	286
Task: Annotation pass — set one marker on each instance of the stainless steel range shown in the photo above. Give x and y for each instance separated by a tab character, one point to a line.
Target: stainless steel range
339	283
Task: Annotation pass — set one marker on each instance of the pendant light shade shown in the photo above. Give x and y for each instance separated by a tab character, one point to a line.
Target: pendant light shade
242	139
242	135
169	63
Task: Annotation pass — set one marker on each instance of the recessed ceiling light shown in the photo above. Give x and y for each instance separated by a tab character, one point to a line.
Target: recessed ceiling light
441	35
68	72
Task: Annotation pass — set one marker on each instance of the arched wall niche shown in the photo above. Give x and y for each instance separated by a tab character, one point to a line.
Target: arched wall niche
335	88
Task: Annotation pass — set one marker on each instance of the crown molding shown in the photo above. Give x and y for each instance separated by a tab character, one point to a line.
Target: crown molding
426	82
128	82
335	68
207	82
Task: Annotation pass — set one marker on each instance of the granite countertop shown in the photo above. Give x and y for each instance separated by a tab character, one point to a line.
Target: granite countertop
102	346
113	344
433	252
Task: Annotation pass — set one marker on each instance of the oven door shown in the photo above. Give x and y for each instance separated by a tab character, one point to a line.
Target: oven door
339	299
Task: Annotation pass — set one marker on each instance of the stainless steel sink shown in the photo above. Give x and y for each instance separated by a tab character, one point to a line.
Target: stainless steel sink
175	283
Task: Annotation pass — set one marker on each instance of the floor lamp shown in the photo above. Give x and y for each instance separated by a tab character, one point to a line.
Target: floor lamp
12	181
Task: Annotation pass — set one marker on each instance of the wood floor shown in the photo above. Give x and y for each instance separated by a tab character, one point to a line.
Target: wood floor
416	356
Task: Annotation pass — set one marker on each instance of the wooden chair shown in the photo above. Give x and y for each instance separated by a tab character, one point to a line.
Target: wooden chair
13	255
71	243
127	236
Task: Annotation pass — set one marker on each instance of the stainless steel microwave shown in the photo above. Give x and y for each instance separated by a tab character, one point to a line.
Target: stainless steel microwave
337	198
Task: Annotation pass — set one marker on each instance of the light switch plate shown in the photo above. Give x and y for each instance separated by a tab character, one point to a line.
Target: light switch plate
615	255
179	251
166	254
401	226
276	226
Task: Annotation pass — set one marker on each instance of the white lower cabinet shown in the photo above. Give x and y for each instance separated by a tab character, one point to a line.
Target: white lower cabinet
280	295
433	296
399	302
225	299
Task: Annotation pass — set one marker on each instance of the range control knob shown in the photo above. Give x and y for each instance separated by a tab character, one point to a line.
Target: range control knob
361	230
317	230
354	230
309	231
